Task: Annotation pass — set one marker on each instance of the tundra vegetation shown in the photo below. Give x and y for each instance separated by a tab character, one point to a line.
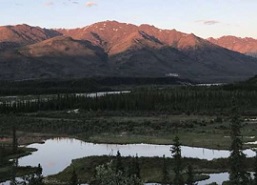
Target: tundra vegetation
217	117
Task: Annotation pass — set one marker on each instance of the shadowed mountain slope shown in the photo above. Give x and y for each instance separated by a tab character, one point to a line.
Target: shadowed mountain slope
118	49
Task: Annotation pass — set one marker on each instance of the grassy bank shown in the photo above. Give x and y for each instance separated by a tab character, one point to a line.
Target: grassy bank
150	168
118	127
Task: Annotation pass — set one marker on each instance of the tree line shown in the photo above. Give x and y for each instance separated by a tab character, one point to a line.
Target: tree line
54	86
189	100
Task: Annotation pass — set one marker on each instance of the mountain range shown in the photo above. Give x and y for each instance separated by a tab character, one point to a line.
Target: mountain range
116	49
247	46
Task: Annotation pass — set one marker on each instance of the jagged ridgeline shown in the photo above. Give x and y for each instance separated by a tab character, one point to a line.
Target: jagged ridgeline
116	49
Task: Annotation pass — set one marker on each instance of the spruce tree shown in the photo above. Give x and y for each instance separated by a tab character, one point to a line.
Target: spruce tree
255	170
37	178
137	167
190	175
14	142
178	169
165	175
14	168
134	167
1	155
39	174
119	166
238	175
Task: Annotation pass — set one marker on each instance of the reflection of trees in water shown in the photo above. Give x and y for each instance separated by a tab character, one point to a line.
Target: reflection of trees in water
35	178
10	149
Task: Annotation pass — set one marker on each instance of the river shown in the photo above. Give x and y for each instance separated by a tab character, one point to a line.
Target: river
32	98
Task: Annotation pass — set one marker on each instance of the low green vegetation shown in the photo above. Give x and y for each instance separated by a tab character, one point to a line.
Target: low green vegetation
150	168
198	116
106	127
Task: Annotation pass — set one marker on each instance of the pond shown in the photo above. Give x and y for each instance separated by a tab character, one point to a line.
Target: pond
56	154
219	178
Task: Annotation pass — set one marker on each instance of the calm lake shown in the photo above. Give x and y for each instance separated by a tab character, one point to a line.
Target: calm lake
56	154
219	178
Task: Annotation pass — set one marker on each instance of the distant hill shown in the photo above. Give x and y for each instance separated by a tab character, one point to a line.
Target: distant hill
113	49
251	82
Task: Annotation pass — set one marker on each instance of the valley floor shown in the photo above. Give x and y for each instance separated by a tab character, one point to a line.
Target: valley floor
199	117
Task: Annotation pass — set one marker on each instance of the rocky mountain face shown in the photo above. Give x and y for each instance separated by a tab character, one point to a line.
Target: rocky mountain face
117	49
25	34
246	45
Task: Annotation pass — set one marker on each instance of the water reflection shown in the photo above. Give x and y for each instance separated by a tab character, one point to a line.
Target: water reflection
56	154
219	178
98	94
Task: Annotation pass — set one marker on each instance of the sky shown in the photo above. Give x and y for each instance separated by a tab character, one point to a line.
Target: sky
204	18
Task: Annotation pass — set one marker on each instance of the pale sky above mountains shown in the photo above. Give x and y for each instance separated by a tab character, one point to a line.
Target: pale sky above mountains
204	18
